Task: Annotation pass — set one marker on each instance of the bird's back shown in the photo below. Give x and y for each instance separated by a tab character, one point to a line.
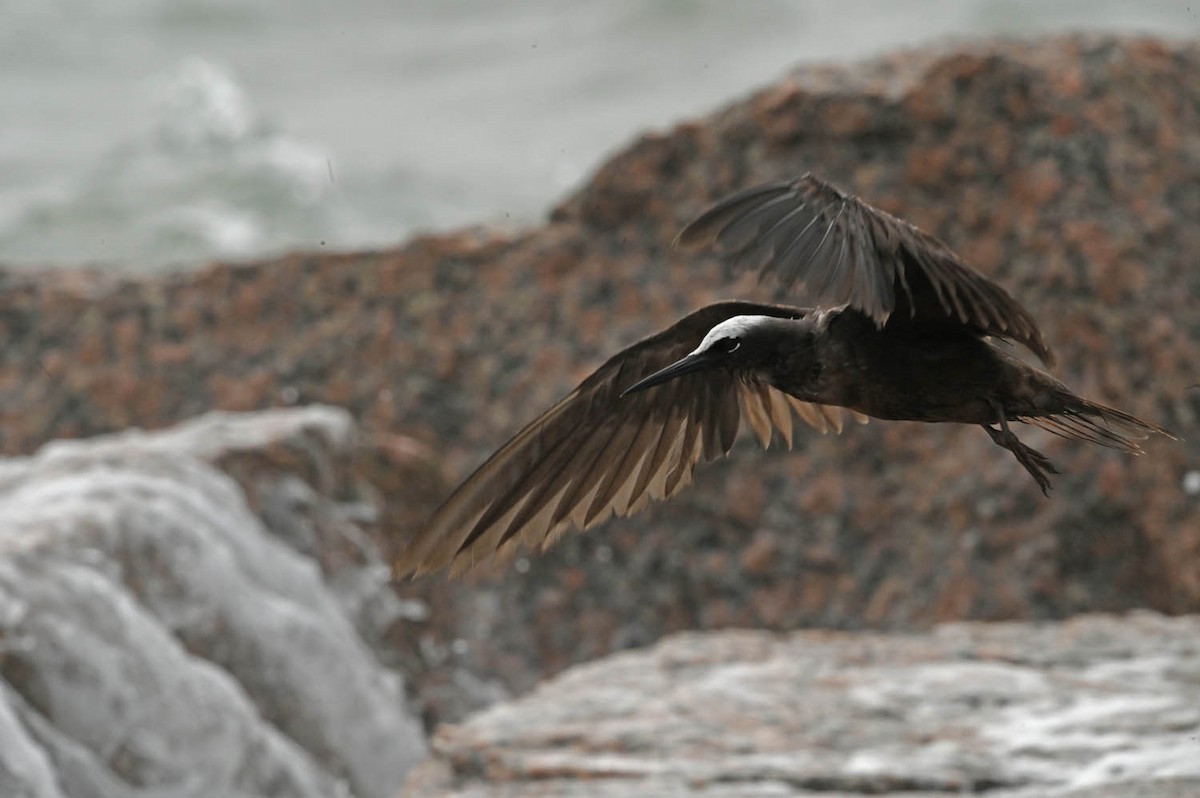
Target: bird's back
914	374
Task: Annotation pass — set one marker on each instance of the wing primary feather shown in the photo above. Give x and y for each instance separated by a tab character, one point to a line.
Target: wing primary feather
840	287
756	414
546	480
753	224
501	504
624	500
624	471
862	281
705	417
730	418
832	224
662	448
781	415
833	415
765	254
705	228
810	415
821	269
689	442
796	257
592	468
765	398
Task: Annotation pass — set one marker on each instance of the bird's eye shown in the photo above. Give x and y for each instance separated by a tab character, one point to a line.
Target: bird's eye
730	345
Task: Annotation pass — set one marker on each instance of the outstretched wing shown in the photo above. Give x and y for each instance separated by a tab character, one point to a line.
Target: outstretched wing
847	252
596	453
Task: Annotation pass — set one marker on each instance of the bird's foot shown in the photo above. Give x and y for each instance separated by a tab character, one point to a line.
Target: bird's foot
1036	463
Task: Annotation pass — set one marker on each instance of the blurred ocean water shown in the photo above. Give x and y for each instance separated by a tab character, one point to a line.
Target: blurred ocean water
156	134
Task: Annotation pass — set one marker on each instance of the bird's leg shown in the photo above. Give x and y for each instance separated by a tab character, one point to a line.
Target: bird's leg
1036	463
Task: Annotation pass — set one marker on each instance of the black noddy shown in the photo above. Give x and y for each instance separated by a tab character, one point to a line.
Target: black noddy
903	329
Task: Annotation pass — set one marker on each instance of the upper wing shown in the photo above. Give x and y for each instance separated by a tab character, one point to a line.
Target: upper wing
850	253
596	453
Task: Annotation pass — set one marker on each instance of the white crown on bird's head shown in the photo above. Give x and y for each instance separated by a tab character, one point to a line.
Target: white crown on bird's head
736	327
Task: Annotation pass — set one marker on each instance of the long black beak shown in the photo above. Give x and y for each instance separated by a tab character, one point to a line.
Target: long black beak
693	362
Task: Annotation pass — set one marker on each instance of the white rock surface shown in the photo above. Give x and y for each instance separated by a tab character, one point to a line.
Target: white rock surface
1093	706
156	639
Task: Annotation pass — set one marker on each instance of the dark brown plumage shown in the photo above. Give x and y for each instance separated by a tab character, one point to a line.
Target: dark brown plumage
902	332
847	252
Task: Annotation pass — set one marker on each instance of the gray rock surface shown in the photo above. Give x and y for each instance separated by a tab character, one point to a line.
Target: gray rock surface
159	637
1095	706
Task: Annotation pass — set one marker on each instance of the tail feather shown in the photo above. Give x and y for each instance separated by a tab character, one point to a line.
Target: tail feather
1096	423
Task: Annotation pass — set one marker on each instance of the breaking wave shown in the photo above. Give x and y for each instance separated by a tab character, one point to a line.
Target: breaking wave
205	175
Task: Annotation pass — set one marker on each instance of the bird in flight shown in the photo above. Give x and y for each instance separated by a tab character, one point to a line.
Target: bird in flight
902	329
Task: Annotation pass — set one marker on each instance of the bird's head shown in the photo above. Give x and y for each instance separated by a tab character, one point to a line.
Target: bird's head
739	344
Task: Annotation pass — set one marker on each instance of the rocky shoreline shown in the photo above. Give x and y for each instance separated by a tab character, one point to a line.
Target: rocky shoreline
175	615
1064	167
203	609
1094	706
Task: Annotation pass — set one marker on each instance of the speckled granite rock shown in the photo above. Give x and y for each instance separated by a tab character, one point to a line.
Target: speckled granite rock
159	637
1095	706
1067	168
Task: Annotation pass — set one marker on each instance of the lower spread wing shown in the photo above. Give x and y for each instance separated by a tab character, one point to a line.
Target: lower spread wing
596	453
847	252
